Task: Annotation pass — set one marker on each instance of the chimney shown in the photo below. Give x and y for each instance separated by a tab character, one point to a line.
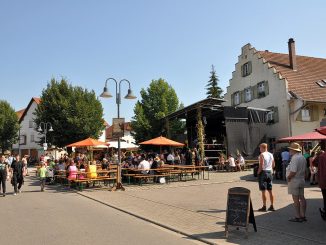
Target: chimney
292	56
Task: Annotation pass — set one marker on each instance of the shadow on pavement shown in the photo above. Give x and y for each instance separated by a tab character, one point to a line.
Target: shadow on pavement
311	232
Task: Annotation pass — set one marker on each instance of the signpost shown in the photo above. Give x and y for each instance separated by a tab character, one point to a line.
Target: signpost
239	211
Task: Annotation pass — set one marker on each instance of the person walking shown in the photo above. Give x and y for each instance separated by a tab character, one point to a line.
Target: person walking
295	175
17	174
3	174
265	176
320	163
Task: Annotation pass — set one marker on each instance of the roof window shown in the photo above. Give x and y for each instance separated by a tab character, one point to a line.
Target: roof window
322	83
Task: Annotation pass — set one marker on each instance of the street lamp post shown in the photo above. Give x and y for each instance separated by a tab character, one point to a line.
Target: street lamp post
47	127
106	94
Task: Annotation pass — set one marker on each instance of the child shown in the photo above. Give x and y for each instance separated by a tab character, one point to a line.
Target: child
42	175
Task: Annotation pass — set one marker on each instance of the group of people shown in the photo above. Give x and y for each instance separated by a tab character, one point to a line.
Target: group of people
295	174
14	171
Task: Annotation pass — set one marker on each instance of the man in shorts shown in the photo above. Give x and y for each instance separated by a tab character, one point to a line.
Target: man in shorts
265	176
295	175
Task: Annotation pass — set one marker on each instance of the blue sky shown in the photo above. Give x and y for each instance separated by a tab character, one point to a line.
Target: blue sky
140	40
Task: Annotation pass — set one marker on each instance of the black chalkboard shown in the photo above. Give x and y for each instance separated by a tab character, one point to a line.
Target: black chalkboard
239	211
238	207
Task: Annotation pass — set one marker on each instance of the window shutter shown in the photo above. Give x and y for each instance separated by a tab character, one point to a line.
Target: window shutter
232	99
242	96
266	88
249	67
254	91
314	113
299	117
275	114
242	71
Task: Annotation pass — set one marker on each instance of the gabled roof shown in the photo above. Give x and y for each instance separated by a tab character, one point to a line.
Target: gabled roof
301	82
20	113
34	99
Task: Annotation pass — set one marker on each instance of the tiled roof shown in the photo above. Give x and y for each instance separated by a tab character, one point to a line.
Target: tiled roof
301	82
37	100
20	113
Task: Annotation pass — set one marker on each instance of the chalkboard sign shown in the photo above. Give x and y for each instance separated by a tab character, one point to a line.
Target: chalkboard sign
239	211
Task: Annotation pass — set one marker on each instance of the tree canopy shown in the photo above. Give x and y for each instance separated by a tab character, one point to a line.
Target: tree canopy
213	90
157	101
75	113
9	126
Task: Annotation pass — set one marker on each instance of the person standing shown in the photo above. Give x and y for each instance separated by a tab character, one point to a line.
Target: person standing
265	176
42	175
320	163
17	174
295	175
285	155
3	174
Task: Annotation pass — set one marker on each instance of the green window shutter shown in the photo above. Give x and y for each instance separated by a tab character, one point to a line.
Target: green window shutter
232	99
254	92
266	88
314	113
299	117
275	115
242	97
249	67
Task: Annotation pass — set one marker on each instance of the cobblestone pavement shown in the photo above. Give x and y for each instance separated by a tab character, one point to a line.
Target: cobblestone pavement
197	208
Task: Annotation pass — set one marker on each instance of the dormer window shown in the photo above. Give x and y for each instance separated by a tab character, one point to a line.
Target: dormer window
322	83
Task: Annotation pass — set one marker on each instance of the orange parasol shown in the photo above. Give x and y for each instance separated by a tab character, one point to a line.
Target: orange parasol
161	141
87	142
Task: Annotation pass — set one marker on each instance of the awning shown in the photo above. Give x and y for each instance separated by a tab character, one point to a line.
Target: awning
304	137
321	130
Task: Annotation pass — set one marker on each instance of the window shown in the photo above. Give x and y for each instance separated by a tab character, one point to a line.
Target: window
248	94
22	140
305	115
272	116
32	138
322	83
31	123
236	98
261	89
246	69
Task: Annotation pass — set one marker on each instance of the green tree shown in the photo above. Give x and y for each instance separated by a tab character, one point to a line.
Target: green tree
213	90
9	126
75	113
159	100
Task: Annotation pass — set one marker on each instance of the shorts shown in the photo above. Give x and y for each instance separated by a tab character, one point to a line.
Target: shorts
265	179
296	187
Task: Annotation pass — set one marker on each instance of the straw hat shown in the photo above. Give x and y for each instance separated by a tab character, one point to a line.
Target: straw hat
295	147
7	152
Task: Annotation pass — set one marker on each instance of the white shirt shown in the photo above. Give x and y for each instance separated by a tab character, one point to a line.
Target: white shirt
268	161
241	160
170	157
144	165
231	162
297	165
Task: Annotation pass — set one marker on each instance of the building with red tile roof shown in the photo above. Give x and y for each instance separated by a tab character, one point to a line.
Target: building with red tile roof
292	87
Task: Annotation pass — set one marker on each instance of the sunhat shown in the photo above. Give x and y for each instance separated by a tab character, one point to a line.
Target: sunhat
295	147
